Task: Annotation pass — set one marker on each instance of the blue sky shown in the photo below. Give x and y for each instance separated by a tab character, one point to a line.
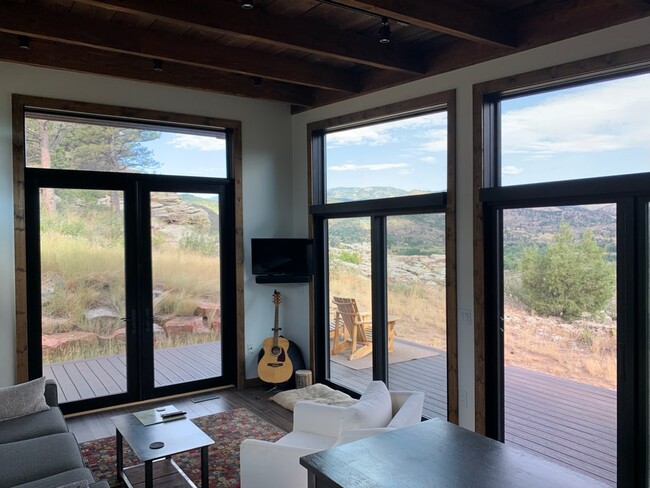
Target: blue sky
599	129
189	154
409	154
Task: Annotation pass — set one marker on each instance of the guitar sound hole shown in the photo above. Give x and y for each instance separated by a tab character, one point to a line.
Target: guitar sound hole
276	350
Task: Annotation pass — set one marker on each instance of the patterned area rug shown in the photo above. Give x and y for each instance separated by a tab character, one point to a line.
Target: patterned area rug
228	429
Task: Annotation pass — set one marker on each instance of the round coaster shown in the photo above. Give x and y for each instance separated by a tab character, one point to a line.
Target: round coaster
156	445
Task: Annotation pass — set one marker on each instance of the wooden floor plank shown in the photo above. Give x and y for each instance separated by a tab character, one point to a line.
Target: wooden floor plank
559	419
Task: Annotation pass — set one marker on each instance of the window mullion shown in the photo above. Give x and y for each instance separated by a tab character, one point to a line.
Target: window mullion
379	299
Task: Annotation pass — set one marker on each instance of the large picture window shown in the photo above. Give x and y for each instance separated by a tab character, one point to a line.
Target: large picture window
566	170
384	227
129	236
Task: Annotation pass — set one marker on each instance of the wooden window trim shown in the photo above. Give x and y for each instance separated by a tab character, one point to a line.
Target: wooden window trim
445	100
25	103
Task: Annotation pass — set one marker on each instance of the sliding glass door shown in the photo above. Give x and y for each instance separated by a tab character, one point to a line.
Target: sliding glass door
564	214
560	334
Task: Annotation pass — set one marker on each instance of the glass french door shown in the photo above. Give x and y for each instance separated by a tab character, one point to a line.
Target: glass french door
183	320
125	286
388	274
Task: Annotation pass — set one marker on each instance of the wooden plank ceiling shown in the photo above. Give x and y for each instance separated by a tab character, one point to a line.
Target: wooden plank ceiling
305	53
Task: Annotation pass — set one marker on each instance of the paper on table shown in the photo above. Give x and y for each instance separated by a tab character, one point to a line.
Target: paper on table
154	415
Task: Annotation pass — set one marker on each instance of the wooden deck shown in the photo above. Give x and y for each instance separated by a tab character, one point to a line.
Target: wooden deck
91	378
564	421
567	422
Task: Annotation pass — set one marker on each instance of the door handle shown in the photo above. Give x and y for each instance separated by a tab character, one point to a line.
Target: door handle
148	320
130	325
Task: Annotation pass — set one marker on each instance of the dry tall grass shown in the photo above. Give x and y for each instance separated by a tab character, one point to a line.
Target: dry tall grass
80	275
419	308
581	351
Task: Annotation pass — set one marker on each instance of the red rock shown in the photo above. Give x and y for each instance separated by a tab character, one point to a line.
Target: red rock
179	326
207	309
115	335
52	342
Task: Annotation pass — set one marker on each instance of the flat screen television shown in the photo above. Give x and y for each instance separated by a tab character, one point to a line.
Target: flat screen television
282	257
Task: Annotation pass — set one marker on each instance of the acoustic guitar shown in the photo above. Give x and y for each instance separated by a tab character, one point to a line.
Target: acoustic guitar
275	366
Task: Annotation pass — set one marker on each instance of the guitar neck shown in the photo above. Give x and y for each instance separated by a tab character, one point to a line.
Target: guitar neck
276	329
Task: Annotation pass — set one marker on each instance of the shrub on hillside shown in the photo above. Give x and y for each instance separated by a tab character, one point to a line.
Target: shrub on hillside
350	257
567	278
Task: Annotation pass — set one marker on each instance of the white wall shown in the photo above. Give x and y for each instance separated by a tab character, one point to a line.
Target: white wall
609	40
266	133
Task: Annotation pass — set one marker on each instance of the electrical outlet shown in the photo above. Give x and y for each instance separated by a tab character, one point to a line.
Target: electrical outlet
463	399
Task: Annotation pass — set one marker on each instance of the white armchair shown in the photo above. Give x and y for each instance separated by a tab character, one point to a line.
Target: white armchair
317	427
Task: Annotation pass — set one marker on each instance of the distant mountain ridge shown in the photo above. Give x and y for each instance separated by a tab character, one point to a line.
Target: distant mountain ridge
349	194
522	227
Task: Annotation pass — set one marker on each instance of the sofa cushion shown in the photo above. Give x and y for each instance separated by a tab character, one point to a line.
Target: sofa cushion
23	399
34	459
61	479
34	425
374	409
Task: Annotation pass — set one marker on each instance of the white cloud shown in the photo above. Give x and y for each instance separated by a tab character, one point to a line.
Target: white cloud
429	160
201	143
511	170
372	135
437	141
386	132
593	118
367	167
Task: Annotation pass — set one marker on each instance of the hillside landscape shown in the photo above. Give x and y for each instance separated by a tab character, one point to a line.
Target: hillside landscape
581	348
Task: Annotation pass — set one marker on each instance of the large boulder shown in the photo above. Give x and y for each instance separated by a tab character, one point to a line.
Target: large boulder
103	320
120	334
211	313
183	326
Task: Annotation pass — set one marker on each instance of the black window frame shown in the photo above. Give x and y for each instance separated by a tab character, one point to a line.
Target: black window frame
631	194
377	210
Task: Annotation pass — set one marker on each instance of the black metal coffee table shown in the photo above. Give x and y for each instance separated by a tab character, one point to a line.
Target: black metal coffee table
178	436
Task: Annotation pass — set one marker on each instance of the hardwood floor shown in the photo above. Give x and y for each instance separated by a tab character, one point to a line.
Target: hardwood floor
98	425
564	421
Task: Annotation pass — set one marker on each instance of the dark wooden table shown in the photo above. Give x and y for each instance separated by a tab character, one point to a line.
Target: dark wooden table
436	453
177	435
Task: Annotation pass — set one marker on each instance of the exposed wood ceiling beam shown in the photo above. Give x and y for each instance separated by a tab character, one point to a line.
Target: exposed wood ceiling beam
76	58
537	28
294	33
458	19
64	27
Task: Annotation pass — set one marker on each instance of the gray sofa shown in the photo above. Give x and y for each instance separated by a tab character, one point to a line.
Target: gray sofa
38	451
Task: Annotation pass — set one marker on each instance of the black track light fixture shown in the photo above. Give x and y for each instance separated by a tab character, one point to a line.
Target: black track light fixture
23	42
384	31
158	65
247	5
